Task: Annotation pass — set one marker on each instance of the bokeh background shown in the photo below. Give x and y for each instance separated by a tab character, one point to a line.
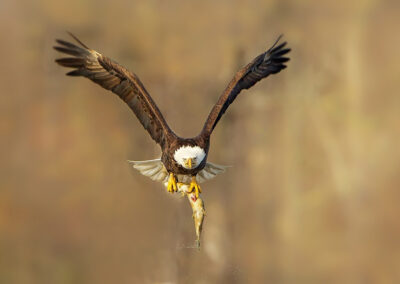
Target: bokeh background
313	194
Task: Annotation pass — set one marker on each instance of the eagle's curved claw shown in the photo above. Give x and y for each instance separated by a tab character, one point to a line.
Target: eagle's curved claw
194	186
172	184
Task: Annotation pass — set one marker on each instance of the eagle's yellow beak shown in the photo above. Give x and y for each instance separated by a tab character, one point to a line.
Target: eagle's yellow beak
188	163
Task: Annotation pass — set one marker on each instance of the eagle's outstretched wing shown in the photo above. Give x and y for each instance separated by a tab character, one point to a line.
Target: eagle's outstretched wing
270	62
112	76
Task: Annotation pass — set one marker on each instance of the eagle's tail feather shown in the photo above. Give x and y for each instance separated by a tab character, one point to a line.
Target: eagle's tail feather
210	171
155	170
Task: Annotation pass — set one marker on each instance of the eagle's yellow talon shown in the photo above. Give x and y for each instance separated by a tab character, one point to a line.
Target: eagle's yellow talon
194	185
172	184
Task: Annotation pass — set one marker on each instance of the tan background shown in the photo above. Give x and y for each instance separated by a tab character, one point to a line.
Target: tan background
313	194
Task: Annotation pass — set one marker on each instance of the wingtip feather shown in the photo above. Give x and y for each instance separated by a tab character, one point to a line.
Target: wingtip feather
74	73
75	38
276	42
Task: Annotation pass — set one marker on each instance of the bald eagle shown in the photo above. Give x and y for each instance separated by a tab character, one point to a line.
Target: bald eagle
183	160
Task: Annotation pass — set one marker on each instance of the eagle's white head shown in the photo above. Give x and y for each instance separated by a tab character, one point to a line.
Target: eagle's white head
189	157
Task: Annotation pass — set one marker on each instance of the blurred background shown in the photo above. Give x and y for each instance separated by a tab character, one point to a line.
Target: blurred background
313	193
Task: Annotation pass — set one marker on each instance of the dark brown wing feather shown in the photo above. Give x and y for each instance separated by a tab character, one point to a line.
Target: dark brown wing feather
112	76
270	62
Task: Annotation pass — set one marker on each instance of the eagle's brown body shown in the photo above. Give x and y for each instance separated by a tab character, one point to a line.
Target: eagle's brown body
177	153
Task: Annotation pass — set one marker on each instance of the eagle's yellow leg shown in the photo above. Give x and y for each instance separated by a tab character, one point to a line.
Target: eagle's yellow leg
194	186
172	184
